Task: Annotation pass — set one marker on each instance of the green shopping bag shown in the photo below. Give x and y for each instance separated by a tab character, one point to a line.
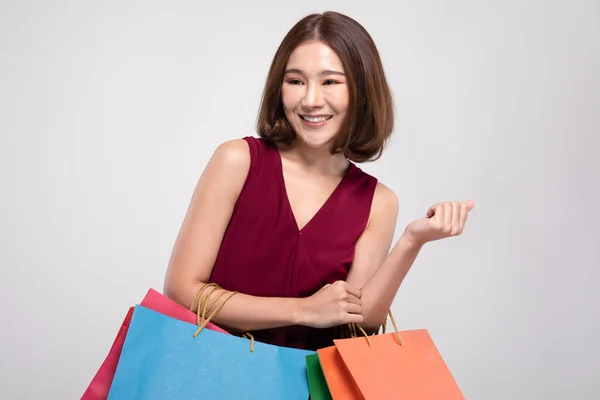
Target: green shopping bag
316	380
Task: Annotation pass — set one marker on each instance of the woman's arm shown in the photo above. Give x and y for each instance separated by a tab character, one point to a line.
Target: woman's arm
373	270
198	243
379	272
379	292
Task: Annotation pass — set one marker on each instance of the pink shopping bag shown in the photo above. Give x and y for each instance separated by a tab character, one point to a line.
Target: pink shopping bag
99	387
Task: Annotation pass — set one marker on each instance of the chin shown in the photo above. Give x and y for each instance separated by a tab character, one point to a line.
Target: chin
316	139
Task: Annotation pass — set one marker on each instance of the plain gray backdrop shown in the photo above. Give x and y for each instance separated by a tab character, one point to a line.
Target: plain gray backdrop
109	111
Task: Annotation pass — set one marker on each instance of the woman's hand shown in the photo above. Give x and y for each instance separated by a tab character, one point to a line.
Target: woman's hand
442	220
334	304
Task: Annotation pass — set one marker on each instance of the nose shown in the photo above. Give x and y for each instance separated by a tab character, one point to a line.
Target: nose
313	97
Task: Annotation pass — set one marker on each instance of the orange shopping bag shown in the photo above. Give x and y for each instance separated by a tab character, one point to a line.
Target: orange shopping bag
398	365
339	381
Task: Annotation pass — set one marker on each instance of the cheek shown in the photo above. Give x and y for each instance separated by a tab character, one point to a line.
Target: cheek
342	101
341	107
288	98
344	106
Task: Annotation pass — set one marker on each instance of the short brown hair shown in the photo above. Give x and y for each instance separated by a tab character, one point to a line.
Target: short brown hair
370	118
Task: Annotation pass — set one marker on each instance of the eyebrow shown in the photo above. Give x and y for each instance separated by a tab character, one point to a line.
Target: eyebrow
324	72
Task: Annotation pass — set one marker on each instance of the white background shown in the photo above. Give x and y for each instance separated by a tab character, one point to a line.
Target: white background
109	111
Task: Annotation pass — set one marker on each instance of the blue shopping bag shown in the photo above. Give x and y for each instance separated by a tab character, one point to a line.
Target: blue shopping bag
162	360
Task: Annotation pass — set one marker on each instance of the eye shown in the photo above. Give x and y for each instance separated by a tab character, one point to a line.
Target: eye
294	82
330	82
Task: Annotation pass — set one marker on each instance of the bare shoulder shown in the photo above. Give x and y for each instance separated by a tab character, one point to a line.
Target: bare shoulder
374	244
384	196
232	154
385	204
227	169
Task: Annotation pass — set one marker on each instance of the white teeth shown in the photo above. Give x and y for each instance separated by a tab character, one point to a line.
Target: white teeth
317	119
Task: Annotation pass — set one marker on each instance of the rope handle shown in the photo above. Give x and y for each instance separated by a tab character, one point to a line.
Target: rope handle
205	319
201	298
353	332
203	307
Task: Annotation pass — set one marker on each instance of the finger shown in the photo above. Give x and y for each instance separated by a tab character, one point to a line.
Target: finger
354	319
431	212
456	207
353	299
354	291
464	214
447	217
437	214
470	204
352	308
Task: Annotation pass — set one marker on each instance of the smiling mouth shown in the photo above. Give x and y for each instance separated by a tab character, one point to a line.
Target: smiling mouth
321	118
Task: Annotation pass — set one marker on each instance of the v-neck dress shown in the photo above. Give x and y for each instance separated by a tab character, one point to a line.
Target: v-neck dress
263	253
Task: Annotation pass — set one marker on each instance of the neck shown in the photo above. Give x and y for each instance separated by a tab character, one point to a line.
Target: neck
317	160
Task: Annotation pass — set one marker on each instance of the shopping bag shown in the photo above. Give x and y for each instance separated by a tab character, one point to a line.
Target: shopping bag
340	383
317	384
162	304
385	368
100	385
161	359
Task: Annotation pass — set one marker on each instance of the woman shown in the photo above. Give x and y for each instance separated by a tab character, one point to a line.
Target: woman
287	220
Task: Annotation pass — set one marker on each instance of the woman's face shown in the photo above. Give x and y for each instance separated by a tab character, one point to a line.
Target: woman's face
315	93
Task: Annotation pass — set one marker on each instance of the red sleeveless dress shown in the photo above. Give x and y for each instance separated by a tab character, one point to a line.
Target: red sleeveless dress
263	253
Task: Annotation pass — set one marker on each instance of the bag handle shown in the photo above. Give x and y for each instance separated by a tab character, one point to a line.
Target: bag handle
383	328
201	297
203	308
